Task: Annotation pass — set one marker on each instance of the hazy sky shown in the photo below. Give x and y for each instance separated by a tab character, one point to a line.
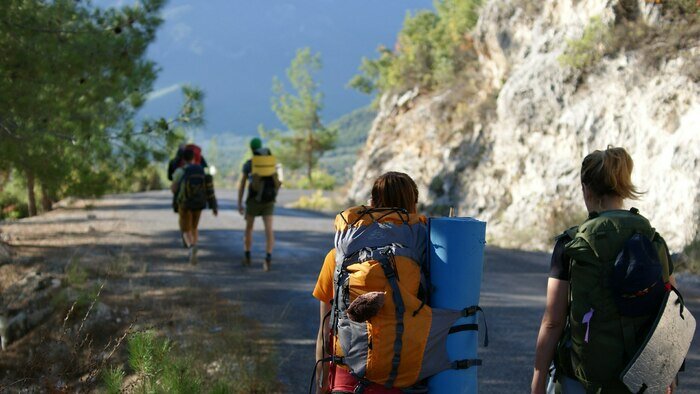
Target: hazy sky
233	48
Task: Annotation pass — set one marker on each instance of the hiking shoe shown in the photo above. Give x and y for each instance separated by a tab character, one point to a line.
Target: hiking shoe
246	259
267	262
193	255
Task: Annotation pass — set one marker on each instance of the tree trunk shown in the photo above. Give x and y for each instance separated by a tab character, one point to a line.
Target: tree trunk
46	200
309	157
31	197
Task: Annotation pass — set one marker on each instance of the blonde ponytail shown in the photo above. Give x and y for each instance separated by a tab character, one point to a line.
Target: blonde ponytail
609	172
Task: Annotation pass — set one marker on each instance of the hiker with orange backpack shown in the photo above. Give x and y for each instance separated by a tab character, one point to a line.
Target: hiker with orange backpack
607	280
194	191
376	332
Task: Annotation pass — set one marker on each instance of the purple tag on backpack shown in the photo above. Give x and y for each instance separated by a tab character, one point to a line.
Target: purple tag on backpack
587	321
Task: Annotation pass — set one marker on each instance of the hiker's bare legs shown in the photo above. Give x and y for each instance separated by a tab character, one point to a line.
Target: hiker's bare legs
189	239
248	236
195	236
269	235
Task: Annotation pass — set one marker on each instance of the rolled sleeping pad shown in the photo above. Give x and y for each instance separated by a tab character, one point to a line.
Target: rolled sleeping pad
456	258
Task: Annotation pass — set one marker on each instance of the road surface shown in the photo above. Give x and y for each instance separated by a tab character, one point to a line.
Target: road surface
512	292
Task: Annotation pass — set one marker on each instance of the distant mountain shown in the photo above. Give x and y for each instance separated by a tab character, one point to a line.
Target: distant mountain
233	48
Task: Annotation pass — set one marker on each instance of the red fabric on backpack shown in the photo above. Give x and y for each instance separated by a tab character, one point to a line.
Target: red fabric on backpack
341	380
197	153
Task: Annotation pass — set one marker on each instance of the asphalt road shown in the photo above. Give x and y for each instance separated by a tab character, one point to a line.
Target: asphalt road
513	289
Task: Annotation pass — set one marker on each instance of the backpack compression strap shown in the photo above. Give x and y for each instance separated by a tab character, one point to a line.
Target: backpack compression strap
385	260
468	363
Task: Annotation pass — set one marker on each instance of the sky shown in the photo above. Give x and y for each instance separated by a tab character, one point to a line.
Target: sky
233	48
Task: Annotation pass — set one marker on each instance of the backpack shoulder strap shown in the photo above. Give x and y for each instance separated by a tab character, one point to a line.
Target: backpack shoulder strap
664	256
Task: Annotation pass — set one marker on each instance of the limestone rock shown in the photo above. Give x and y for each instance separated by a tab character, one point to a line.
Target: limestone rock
509	152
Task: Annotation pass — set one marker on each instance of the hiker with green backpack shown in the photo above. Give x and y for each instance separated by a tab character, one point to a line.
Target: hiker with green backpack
194	191
607	281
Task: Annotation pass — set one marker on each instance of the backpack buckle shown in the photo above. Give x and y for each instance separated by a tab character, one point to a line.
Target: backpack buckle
465	364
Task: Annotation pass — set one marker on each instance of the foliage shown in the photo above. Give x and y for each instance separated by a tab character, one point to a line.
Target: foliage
13	203
157	366
113	378
585	52
657	42
76	274
321	180
432	49
73	76
307	138
692	256
681	8
314	202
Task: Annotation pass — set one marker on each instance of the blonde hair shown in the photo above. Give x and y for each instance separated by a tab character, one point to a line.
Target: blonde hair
609	172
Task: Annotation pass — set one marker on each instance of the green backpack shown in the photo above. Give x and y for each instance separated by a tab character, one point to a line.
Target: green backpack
599	342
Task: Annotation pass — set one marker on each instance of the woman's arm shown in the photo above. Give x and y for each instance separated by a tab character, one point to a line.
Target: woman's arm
550	331
323	334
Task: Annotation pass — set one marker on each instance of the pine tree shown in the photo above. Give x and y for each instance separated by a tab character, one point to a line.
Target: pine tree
300	111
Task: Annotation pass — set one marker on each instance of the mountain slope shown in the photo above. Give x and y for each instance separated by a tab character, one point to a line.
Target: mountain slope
506	145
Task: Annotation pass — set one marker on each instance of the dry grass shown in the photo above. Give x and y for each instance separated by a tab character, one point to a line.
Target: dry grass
74	351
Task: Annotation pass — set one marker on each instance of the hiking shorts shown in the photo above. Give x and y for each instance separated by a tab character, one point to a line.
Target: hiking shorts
189	219
256	208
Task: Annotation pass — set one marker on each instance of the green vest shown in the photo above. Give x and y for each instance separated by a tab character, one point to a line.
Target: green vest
601	341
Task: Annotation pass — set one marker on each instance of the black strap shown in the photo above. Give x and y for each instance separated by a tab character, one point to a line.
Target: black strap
360	386
472	310
643	388
400	309
465	364
464	327
323	324
679	300
313	374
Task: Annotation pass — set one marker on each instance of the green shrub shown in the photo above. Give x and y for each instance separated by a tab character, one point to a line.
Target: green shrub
147	353
432	49
314	202
583	53
13	207
76	274
692	253
683	8
159	369
113	379
320	180
221	387
178	377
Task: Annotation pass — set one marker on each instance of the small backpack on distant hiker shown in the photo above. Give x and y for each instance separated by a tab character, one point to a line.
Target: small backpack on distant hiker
178	161
382	329
619	279
265	182
194	187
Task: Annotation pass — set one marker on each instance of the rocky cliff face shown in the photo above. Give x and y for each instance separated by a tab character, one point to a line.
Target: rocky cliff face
505	145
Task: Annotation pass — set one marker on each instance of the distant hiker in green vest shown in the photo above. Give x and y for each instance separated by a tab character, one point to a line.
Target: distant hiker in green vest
260	173
596	316
194	191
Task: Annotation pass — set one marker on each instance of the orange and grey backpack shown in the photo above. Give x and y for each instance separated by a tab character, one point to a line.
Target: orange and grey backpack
397	341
